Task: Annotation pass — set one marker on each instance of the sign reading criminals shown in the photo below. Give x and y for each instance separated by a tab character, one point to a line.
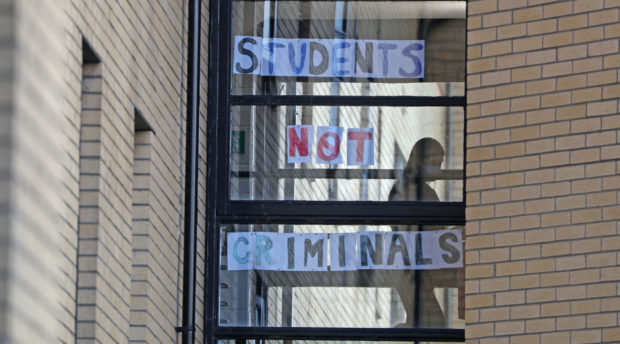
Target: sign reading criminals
345	251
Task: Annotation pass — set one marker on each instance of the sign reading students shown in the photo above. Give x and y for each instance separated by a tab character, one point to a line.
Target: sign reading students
329	57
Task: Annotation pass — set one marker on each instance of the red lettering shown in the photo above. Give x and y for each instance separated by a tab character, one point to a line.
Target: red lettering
324	144
360	137
297	145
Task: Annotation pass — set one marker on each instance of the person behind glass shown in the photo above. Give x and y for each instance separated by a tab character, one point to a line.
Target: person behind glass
425	160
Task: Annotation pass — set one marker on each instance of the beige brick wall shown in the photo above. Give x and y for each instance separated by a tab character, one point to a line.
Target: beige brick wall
72	171
30	102
543	149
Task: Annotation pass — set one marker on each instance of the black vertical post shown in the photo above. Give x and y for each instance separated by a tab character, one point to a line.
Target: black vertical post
191	173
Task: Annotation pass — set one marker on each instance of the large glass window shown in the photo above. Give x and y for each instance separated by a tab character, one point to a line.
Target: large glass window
335	171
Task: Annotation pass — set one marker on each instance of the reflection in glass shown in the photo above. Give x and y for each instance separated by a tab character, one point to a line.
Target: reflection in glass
260	169
440	24
379	297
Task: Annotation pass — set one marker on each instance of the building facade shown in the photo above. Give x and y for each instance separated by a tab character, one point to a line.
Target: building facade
93	110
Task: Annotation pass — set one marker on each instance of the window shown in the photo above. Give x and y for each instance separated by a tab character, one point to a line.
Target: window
335	170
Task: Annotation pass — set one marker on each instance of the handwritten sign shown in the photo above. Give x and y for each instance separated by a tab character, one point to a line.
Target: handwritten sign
351	251
329	57
360	145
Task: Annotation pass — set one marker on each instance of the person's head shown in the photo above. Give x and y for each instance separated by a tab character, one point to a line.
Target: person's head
427	154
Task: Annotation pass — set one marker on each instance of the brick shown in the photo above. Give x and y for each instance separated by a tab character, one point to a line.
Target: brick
602	320
510	91
496	19
524	282
557	39
511	4
509	239
571	82
527	73
494	314
571	323
483	6
585	155
554	159
509	150
511	61
586	95
554	279
496	48
611	61
508	327
525	252
494	78
539	206
556	69
481	95
601	139
481	36
555	309
555	189
601	290
600	169
612	31
603	48
573	22
570	232
587	5
474	52
570	142
473	23
554	129
541	57
539	146
493	226
611	92
494	284
509	298
540	86
560	337
611	335
555	99
540	325
585	125
558	9
587	65
601	78
603	17
587	215
508	209
541	295
555	249
527	14
540	116
510	268
496	107
588	35
495	137
509	179
573	52
571	293
511	31
527	44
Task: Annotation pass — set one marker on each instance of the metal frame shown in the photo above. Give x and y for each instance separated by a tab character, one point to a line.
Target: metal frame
221	210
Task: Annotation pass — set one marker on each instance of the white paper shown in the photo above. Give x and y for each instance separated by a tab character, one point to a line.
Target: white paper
270	251
329	141
240	251
299	139
360	147
311	252
342	252
329	57
370	246
398	252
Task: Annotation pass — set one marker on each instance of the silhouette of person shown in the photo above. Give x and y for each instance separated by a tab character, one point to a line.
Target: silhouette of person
416	286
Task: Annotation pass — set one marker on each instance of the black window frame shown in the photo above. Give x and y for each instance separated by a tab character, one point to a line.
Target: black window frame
221	210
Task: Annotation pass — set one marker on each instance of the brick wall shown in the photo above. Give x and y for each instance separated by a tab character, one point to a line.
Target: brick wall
91	224
543	195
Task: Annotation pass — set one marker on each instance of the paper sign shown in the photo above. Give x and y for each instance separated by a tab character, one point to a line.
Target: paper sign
360	147
310	252
329	57
299	139
328	145
347	251
240	251
342	252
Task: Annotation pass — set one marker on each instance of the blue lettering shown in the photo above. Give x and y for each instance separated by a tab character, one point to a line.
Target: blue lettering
302	59
271	47
339	60
417	65
263	244
244	259
386	47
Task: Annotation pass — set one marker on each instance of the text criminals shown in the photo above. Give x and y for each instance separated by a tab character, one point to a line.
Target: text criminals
345	251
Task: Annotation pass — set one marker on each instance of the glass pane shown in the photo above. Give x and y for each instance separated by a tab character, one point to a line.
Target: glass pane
341	276
349	153
359	48
273	341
